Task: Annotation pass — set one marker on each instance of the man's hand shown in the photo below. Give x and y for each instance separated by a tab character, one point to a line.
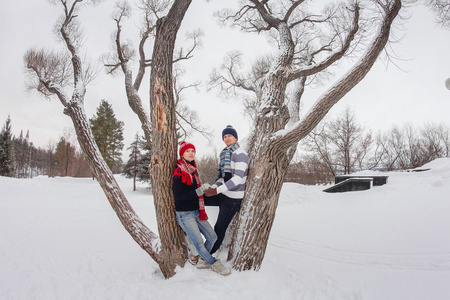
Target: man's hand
210	192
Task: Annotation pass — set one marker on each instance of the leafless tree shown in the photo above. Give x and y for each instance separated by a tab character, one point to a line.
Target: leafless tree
207	167
392	145
124	54
399	148
187	118
351	140
413	153
273	140
69	86
308	169
442	10
232	82
341	144
409	147
272	143
436	140
319	148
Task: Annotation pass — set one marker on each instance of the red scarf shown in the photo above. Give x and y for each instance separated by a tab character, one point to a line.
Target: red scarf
187	171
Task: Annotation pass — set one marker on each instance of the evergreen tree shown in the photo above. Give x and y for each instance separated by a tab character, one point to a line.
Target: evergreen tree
146	156
108	134
137	165
7	157
131	169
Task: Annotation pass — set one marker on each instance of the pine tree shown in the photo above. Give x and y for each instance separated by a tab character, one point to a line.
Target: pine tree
108	134
137	165
143	174
7	157
131	168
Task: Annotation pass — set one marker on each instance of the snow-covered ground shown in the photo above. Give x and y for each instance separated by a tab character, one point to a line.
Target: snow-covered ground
60	239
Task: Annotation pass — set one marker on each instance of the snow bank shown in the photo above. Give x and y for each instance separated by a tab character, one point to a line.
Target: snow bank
60	239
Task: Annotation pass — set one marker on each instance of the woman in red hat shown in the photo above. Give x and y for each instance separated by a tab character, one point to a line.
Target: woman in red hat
190	209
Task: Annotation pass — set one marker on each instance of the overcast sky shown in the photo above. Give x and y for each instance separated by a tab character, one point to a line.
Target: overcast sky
388	95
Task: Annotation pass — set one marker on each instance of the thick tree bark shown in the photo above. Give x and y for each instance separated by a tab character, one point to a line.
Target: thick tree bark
164	138
267	166
169	250
271	146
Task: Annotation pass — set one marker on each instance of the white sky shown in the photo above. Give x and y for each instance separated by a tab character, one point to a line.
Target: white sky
385	97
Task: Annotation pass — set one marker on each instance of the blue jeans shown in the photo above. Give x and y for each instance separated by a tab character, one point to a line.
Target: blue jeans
193	226
228	207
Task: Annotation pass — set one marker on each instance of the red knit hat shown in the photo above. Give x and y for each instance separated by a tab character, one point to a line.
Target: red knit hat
184	146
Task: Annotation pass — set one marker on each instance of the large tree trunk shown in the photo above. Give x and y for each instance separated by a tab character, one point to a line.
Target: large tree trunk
164	138
267	166
266	176
168	250
272	146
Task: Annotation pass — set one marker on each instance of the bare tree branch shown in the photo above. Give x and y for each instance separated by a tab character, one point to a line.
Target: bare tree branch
442	10
338	90
313	69
195	36
291	10
48	72
185	114
265	14
232	78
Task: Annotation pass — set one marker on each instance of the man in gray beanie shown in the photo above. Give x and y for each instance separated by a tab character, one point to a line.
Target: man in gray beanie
228	190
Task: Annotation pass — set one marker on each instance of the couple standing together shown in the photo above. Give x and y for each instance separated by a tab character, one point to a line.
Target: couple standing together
227	192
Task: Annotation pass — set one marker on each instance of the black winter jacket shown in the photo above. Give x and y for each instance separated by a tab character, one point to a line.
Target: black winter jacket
186	198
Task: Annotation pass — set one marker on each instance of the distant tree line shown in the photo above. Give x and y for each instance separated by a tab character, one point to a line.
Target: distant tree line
337	146
21	159
140	157
18	156
343	146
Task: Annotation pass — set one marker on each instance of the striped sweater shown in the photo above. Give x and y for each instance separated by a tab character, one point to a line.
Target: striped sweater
235	187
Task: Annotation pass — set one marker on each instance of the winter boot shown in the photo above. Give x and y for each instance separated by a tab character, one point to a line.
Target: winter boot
202	264
220	269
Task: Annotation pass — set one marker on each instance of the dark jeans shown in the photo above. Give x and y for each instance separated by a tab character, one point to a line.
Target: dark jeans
228	207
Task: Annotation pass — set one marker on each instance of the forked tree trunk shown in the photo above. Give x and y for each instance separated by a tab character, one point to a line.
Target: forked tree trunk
164	138
168	250
271	147
267	166
267	169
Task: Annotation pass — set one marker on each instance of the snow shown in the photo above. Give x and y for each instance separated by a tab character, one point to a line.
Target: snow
60	239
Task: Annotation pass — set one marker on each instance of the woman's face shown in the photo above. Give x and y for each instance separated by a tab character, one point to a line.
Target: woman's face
189	154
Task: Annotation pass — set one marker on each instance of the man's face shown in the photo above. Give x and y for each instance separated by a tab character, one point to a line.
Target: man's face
229	140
